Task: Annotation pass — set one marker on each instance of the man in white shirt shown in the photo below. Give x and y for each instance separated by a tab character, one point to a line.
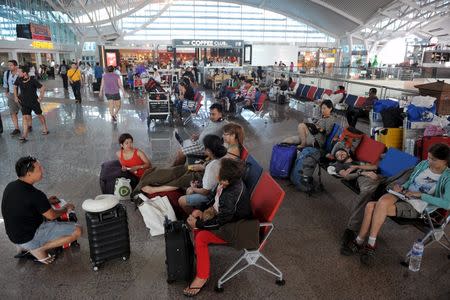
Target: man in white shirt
9	77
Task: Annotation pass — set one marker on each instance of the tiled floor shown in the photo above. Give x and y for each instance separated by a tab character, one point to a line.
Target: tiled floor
304	245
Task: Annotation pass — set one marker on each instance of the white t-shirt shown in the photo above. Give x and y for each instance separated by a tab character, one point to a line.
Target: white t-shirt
211	173
425	182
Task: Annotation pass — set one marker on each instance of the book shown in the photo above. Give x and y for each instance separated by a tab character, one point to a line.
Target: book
418	204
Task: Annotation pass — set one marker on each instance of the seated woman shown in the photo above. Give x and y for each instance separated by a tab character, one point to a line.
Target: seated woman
132	159
315	134
231	204
245	96
233	138
186	93
428	186
198	194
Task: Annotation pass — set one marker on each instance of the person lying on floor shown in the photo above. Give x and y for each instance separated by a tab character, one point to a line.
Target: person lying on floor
194	146
427	188
24	208
215	224
314	134
198	194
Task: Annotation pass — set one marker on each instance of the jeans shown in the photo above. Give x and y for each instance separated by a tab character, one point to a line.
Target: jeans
76	87
65	81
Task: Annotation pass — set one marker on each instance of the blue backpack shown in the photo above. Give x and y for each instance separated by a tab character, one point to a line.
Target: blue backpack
303	170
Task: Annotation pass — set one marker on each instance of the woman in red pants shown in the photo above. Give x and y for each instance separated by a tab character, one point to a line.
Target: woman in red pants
231	204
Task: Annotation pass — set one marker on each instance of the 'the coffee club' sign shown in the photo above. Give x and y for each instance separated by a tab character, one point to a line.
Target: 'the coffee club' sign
207	43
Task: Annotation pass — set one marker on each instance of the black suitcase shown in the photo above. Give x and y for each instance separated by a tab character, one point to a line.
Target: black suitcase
179	251
108	235
96	87
281	99
110	171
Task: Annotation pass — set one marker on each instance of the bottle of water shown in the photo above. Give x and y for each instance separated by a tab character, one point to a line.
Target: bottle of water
416	256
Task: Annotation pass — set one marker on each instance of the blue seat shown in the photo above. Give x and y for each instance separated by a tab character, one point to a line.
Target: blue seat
252	173
350	100
318	93
299	90
395	162
305	91
335	133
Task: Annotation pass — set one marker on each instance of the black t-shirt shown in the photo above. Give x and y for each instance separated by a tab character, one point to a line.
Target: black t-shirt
27	90
22	209
189	94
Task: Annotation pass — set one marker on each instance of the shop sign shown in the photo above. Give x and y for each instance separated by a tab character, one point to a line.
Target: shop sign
42	45
359	52
208	43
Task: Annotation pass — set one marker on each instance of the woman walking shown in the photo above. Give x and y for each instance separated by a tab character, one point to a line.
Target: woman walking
111	86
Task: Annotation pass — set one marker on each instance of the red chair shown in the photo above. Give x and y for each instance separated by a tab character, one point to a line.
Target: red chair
311	93
328	92
244	153
265	201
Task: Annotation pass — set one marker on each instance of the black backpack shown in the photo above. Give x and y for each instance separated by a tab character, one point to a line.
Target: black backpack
392	117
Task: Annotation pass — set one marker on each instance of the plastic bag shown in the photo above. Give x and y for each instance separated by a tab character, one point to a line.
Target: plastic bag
383	104
423	101
421	114
122	189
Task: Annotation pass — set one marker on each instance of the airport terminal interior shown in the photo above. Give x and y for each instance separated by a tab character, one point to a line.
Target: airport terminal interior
327	120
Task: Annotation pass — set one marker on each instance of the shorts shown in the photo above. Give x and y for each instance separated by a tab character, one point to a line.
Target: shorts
113	96
29	107
196	199
14	107
195	149
405	210
49	231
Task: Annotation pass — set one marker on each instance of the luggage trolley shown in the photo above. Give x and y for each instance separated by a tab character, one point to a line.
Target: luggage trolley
159	107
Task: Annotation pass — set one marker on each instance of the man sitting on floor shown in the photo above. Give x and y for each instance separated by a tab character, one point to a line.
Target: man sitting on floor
24	208
194	146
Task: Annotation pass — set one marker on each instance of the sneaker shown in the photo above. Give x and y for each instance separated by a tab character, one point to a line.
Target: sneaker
351	248
368	256
348	236
15	132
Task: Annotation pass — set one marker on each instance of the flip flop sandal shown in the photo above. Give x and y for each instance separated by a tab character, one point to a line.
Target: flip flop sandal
47	260
45	132
197	289
23	140
24	254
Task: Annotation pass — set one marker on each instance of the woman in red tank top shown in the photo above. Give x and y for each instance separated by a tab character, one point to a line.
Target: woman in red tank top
132	159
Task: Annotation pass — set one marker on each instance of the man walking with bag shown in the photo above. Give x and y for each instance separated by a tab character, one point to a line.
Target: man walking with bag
74	76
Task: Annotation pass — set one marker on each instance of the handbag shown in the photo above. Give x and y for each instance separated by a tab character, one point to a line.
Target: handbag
154	211
312	128
122	188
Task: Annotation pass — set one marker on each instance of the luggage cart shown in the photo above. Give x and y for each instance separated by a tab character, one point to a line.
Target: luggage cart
159	107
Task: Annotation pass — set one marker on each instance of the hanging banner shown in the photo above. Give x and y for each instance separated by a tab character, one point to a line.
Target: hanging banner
40	32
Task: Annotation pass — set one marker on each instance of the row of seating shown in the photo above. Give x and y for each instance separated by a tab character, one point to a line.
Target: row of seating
313	93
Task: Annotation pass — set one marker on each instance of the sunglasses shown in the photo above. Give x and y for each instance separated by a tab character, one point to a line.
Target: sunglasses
31	161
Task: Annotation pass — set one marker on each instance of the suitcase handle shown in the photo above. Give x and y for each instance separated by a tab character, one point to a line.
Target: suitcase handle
109	215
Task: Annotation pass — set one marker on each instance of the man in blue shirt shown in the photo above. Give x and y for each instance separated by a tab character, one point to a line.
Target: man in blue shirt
98	72
9	77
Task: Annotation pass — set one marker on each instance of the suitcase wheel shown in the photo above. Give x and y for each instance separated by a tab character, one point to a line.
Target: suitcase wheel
124	257
95	268
170	281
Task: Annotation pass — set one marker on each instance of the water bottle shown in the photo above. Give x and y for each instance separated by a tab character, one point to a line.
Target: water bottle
416	256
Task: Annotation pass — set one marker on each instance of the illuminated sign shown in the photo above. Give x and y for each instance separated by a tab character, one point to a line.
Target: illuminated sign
42	45
207	43
40	32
